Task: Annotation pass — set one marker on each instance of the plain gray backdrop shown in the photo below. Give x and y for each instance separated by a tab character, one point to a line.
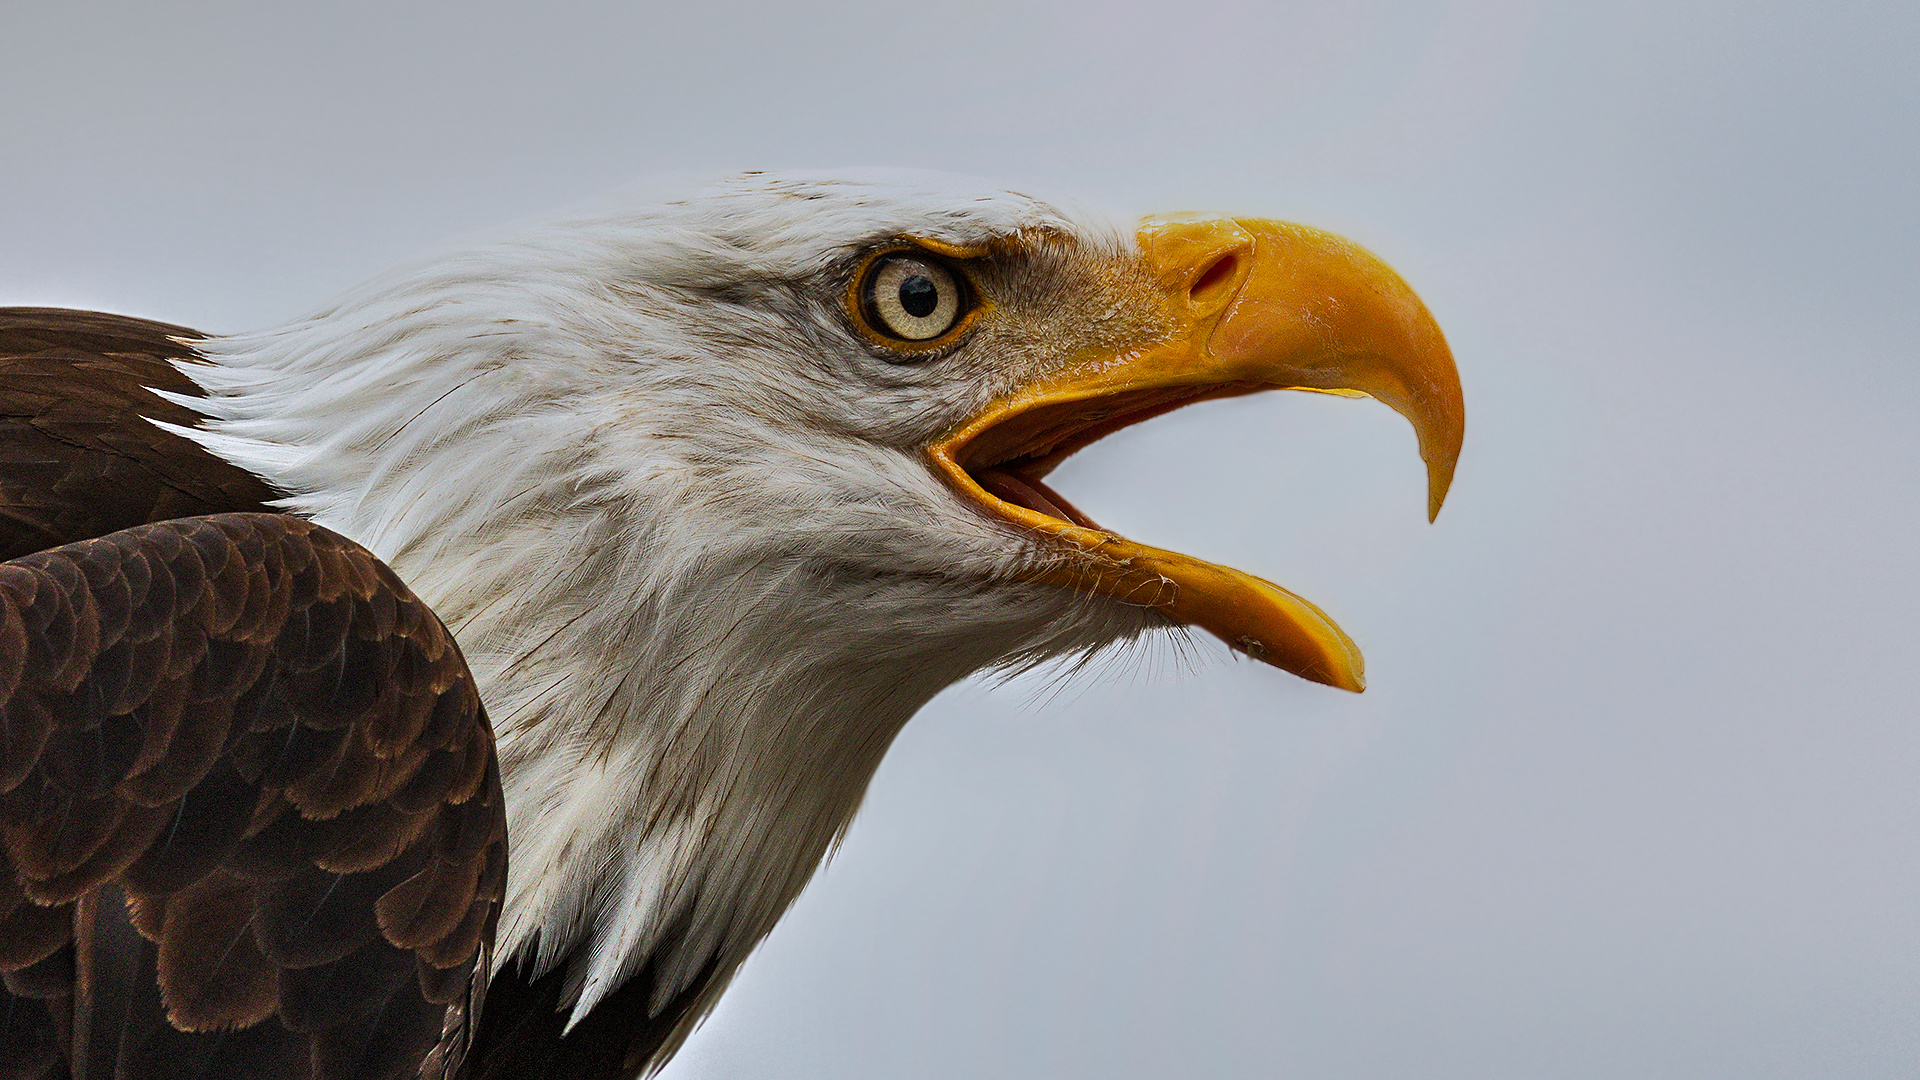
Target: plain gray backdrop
1636	791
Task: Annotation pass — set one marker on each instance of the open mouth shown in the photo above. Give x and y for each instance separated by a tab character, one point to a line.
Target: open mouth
1011	459
1001	464
1305	310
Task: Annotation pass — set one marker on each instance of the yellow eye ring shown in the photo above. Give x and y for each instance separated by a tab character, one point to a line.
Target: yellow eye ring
908	299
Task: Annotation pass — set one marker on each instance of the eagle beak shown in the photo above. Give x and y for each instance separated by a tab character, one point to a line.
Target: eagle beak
1253	305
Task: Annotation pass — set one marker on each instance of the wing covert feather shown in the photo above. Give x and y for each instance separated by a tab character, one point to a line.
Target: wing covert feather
240	744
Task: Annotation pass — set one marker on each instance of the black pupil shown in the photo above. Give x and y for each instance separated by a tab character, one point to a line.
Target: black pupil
919	296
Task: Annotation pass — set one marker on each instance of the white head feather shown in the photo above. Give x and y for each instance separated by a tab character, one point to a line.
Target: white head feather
679	516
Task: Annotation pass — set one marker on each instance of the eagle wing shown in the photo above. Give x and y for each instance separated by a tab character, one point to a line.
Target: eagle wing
250	818
250	813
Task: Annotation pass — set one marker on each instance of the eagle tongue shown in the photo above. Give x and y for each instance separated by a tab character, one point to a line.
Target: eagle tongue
1031	493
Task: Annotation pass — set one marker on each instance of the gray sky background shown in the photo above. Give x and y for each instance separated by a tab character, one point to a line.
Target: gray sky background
1636	789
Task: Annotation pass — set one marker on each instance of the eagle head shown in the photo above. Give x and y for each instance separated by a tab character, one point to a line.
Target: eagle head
717	485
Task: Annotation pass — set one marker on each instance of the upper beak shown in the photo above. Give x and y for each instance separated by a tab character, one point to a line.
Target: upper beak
1254	305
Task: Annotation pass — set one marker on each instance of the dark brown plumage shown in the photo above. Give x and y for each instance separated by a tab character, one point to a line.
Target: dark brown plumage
76	458
250	816
251	821
523	1034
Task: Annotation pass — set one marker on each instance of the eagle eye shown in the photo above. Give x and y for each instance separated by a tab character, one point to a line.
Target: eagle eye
912	299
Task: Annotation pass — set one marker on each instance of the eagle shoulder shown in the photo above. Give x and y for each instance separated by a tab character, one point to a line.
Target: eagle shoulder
78	457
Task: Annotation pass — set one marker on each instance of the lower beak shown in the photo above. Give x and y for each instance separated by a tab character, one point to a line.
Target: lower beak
1255	305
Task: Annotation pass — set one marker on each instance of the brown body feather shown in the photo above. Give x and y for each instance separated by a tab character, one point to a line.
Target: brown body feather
523	1032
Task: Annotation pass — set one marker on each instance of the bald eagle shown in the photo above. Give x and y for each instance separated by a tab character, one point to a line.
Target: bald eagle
624	543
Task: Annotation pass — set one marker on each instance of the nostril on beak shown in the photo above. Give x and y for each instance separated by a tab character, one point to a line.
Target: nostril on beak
1211	288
